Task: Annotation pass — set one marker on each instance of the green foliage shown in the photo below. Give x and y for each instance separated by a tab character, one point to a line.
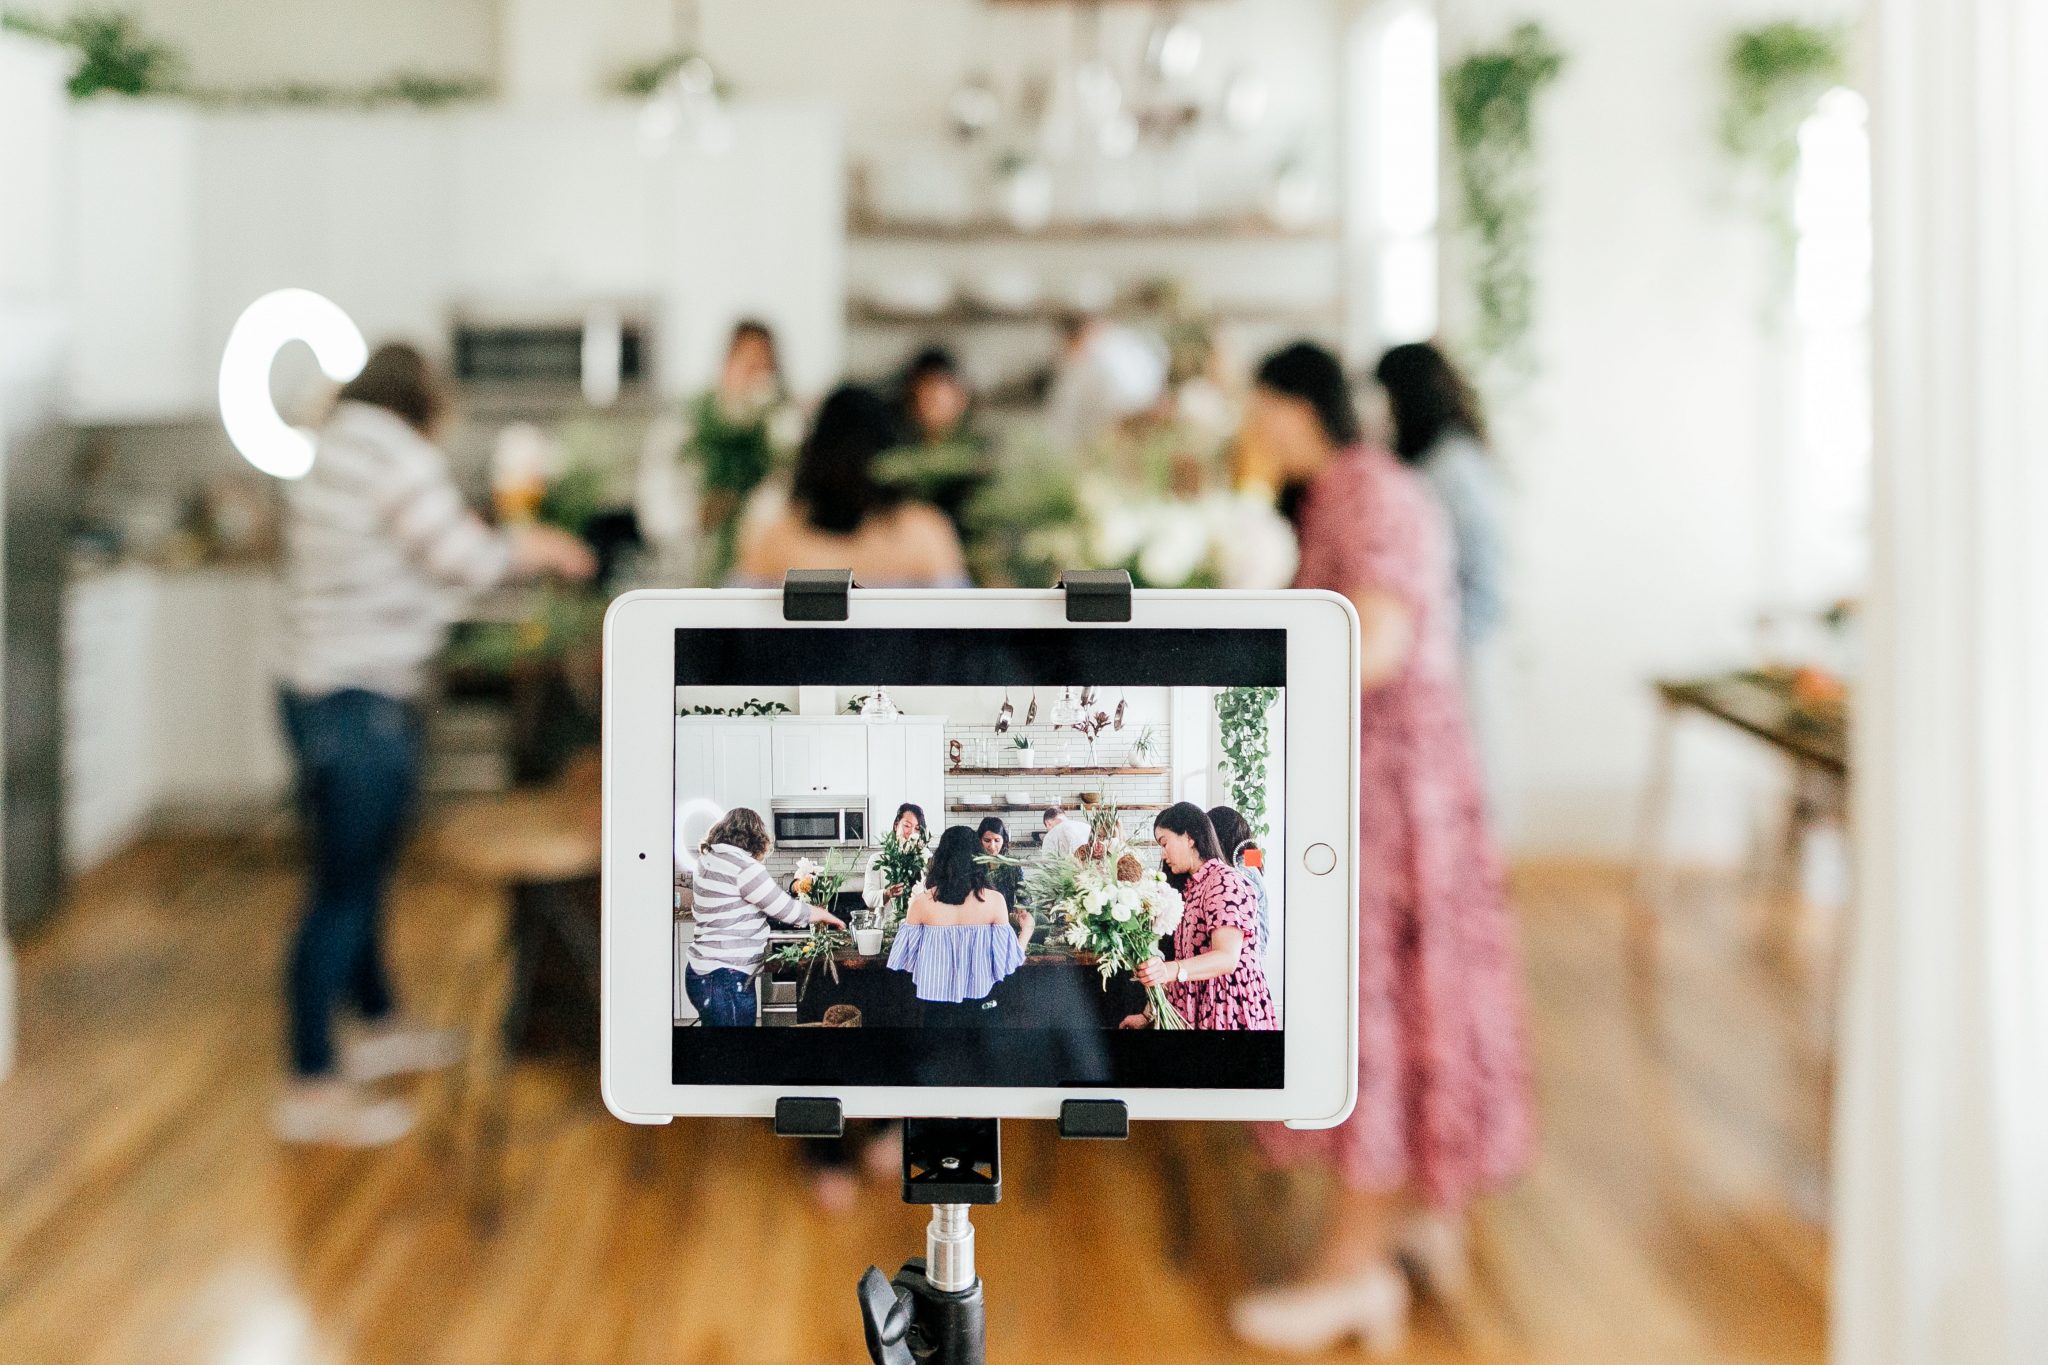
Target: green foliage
753	706
1776	74
646	78
573	498
1491	97
1241	716
1026	495
115	55
901	863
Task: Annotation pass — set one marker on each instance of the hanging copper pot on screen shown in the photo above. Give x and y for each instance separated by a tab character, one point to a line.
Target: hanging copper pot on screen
1121	702
1003	716
1031	712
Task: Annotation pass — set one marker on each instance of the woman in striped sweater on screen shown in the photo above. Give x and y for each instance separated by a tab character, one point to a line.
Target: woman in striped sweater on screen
735	901
379	548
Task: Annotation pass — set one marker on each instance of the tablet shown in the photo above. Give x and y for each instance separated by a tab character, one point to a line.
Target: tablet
1005	810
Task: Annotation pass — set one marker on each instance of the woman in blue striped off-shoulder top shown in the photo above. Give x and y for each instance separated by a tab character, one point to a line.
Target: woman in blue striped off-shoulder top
956	941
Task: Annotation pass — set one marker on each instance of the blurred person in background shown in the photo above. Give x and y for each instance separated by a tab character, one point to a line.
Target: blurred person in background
1006	880
1105	374
839	515
1235	837
1444	1110
376	540
732	434
1440	431
1065	835
943	459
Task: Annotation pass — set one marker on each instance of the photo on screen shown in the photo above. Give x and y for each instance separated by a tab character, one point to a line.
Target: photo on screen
980	857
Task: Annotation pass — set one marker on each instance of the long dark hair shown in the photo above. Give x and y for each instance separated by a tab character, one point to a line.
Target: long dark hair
924	826
956	875
835	472
1232	832
1310	373
1428	398
993	824
1187	818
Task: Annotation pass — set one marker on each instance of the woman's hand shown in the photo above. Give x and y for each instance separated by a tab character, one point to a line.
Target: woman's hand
538	550
1154	973
1136	1021
894	891
820	915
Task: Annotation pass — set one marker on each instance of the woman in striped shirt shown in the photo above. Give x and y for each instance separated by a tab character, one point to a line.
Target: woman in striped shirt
735	900
378	548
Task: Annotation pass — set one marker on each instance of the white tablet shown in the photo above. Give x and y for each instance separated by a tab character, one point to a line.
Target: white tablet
940	753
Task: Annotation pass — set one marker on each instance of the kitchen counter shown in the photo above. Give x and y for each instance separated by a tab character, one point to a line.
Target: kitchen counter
1053	989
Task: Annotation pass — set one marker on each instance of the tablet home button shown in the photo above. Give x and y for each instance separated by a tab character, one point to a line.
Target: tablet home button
1320	859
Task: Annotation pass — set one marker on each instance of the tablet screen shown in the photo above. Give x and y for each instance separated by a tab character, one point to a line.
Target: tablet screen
1009	824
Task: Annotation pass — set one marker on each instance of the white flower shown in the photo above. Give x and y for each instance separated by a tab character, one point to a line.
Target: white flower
1120	912
1077	937
806	869
1167	907
786	427
1178	546
1259	549
1095	898
1118	530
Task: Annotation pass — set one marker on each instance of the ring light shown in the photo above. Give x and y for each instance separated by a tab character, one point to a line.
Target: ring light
247	410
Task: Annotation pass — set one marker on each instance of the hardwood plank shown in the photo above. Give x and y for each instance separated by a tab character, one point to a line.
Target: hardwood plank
146	1215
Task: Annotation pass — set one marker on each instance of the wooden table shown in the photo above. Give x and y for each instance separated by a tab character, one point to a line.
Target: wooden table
1762	705
1050	990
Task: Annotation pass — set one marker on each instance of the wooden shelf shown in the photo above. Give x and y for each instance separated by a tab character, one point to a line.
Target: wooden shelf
1055	772
864	314
861	227
1001	808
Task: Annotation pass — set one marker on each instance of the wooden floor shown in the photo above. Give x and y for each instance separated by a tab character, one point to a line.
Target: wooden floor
146	1215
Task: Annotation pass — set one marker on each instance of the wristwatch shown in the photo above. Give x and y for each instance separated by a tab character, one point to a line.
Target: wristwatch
1180	974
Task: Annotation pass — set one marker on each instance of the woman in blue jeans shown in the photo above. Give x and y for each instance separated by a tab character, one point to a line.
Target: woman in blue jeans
376	537
735	901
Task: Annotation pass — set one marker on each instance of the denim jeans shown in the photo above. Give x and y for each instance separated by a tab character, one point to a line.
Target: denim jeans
358	757
724	997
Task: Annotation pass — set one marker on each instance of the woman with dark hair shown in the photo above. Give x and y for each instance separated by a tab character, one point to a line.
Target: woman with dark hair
1235	837
1216	979
956	942
877	892
935	400
734	435
1438	431
1444	1110
377	538
840	516
1006	880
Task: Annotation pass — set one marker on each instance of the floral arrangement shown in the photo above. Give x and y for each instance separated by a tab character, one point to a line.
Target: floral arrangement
902	863
1110	907
816	884
819	884
1220	538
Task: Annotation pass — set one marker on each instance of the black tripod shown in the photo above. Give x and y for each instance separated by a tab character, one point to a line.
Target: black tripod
933	1311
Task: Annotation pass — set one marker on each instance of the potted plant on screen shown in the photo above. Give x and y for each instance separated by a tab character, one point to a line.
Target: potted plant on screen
1027	757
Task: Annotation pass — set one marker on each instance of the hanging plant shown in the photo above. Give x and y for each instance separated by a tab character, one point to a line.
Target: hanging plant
115	55
1776	76
1490	96
1241	717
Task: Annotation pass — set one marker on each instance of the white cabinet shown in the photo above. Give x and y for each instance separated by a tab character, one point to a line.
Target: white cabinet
821	758
131	250
906	762
725	760
107	714
170	709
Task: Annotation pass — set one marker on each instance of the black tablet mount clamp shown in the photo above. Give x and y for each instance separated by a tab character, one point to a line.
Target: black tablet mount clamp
932	1312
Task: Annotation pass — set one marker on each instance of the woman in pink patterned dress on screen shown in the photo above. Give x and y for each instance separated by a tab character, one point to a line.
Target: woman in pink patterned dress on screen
1444	1110
1217	979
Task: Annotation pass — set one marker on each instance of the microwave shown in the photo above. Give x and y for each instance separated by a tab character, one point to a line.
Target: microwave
818	821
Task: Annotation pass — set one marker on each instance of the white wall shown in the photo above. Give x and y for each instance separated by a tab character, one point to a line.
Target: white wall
1641	454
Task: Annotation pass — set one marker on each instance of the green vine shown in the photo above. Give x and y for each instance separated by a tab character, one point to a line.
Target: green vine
1776	75
1241	716
114	54
1490	97
753	706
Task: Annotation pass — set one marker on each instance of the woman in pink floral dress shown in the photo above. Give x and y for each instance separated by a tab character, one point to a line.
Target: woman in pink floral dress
1217	979
1444	1110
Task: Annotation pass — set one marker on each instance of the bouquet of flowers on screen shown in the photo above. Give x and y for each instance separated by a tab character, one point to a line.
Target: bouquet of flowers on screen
1110	906
901	863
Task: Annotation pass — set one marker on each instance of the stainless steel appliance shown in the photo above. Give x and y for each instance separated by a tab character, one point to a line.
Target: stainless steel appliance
818	821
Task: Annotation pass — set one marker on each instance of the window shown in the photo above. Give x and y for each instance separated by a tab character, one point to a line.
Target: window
1399	107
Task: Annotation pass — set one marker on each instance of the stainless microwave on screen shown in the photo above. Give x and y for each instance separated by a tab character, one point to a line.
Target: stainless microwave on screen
819	822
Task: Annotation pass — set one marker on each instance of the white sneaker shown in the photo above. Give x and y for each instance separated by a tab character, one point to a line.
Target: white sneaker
379	1051
1434	1245
335	1114
1311	1318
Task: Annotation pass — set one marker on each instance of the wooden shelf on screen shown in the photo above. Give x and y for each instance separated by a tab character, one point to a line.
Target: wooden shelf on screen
1055	772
